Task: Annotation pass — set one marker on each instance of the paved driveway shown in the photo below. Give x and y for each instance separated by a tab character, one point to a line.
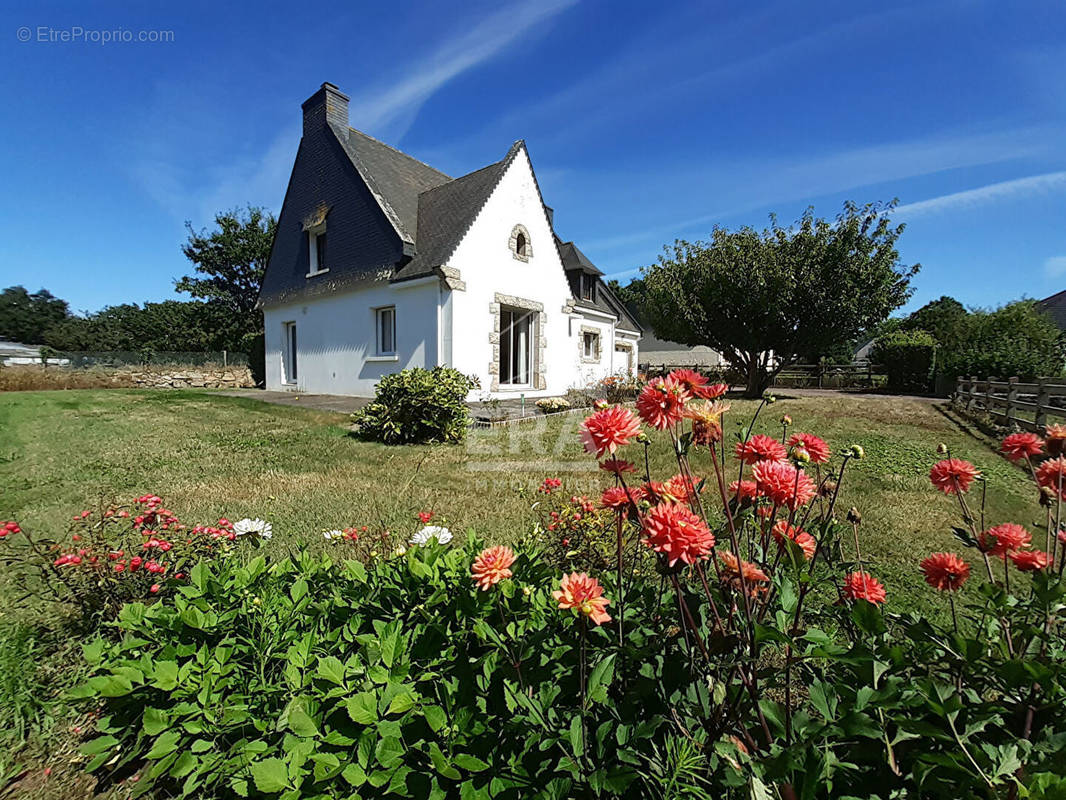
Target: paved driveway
319	402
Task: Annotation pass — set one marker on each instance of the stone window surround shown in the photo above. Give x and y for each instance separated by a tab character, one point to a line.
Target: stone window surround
527	252
581	344
540	380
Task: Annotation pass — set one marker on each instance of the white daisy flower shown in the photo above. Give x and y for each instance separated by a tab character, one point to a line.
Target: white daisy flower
262	528
334	534
423	537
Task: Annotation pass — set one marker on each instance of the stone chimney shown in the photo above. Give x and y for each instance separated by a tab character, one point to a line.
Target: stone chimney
327	106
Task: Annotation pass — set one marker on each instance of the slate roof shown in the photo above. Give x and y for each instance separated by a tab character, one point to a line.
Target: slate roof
446	212
396	179
1055	307
573	258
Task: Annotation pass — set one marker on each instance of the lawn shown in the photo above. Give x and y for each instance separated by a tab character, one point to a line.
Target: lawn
213	455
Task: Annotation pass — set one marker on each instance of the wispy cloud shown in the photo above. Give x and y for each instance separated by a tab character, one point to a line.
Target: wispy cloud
993	192
1055	267
393	106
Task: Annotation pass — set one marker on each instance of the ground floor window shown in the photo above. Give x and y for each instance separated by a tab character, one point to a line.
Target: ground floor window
516	346
386	325
288	352
624	357
590	345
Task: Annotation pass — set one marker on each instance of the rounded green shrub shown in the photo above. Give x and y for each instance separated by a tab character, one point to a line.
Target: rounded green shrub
418	405
907	358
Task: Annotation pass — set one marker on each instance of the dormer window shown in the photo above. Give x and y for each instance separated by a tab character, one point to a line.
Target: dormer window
316	251
588	287
520	244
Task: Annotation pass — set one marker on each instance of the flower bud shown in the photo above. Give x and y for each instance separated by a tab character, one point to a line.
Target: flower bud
857	452
786	420
1047	496
828	488
854	517
942	449
769	399
800	455
600	404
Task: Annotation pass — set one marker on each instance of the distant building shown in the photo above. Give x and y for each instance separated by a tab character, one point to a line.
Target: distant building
1055	307
656	352
12	353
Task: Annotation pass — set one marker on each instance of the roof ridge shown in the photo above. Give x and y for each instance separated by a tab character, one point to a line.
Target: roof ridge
400	152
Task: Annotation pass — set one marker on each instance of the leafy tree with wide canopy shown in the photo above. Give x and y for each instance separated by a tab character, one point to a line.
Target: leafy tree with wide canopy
763	298
25	317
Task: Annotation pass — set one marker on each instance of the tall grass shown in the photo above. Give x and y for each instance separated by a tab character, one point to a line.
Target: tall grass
24	694
33	377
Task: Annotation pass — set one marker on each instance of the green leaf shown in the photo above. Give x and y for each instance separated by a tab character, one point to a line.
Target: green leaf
299	721
271	775
601	678
435	717
166	744
401	703
165	675
469	763
389	643
389	751
363	708
576	737
331	669
298	590
441	764
154	722
100	744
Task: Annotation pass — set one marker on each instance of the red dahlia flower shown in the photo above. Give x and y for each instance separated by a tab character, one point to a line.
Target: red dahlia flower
491	566
619	499
714	390
680	535
1030	560
608	429
425	516
661	402
617	466
1002	540
945	571
761	447
1022	445
863	586
816	446
8	528
953	475
1052	474
691	380
744	491
782	530
584	595
784	484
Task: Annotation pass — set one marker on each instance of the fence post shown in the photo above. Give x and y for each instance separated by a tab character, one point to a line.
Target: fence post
820	370
973	393
1042	402
1012	398
989	396
225	357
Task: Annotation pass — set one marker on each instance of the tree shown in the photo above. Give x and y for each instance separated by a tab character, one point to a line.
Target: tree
233	258
945	318
25	317
1018	339
762	298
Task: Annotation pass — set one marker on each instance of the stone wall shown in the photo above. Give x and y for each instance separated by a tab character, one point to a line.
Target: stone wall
188	377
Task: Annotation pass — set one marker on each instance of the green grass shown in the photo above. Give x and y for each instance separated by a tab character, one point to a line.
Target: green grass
213	455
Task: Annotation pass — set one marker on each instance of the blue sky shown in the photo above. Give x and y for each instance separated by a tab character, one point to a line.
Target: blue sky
645	121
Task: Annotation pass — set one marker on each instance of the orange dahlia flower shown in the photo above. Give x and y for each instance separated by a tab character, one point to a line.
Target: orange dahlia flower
706	422
953	475
1022	445
733	570
618	498
661	402
945	571
491	566
815	445
690	379
584	595
680	535
1056	439
617	465
863	586
744	491
608	429
761	447
784	484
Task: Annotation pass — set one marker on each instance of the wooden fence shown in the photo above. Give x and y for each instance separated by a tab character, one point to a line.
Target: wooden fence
830	376
1012	402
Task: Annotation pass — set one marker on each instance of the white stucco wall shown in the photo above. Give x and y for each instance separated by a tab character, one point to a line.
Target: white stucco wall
489	268
336	337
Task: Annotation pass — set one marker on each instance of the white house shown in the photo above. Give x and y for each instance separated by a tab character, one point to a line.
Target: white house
382	263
